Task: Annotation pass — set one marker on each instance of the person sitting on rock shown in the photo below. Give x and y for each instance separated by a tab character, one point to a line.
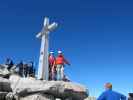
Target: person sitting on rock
52	71
111	95
60	62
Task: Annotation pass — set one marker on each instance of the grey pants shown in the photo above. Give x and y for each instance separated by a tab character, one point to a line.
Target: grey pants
60	71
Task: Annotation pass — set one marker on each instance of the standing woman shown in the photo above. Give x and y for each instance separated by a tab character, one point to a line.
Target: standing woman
60	62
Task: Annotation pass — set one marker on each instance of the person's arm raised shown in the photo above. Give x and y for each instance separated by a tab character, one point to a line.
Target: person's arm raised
66	62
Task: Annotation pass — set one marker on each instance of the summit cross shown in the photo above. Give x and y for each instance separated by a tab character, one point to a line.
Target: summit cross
43	67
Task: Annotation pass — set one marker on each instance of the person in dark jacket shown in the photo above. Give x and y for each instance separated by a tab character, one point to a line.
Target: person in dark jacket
31	69
130	96
109	94
20	66
9	63
25	70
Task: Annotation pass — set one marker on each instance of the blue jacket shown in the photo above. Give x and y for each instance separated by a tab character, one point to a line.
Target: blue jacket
111	95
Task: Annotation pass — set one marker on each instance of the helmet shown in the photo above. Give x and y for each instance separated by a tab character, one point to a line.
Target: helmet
51	52
59	51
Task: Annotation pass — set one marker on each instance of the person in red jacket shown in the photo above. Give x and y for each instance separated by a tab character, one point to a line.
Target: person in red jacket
60	62
51	66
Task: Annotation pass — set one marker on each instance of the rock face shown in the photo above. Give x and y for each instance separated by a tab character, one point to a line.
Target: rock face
91	98
31	89
58	89
4	88
3	71
5	85
38	97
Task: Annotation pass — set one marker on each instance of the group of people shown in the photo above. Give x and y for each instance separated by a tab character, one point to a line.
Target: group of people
56	66
56	72
26	70
23	69
109	94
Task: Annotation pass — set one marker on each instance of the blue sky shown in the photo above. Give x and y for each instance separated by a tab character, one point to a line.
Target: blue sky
96	36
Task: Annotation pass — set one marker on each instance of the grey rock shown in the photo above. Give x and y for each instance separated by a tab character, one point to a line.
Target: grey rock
38	97
24	87
5	85
4	71
17	88
3	95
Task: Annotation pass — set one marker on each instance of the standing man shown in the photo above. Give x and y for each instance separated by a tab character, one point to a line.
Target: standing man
25	70
109	94
51	66
30	69
20	66
60	62
9	63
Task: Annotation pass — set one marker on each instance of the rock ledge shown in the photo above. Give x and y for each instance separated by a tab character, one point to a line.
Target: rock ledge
17	88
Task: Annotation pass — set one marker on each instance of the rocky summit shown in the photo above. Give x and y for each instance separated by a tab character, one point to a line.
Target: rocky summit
18	88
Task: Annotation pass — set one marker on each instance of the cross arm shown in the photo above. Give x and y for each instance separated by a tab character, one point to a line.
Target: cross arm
39	35
52	26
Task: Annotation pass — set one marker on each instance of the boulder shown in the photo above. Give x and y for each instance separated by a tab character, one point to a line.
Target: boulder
24	87
5	85
4	71
4	88
3	95
38	97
